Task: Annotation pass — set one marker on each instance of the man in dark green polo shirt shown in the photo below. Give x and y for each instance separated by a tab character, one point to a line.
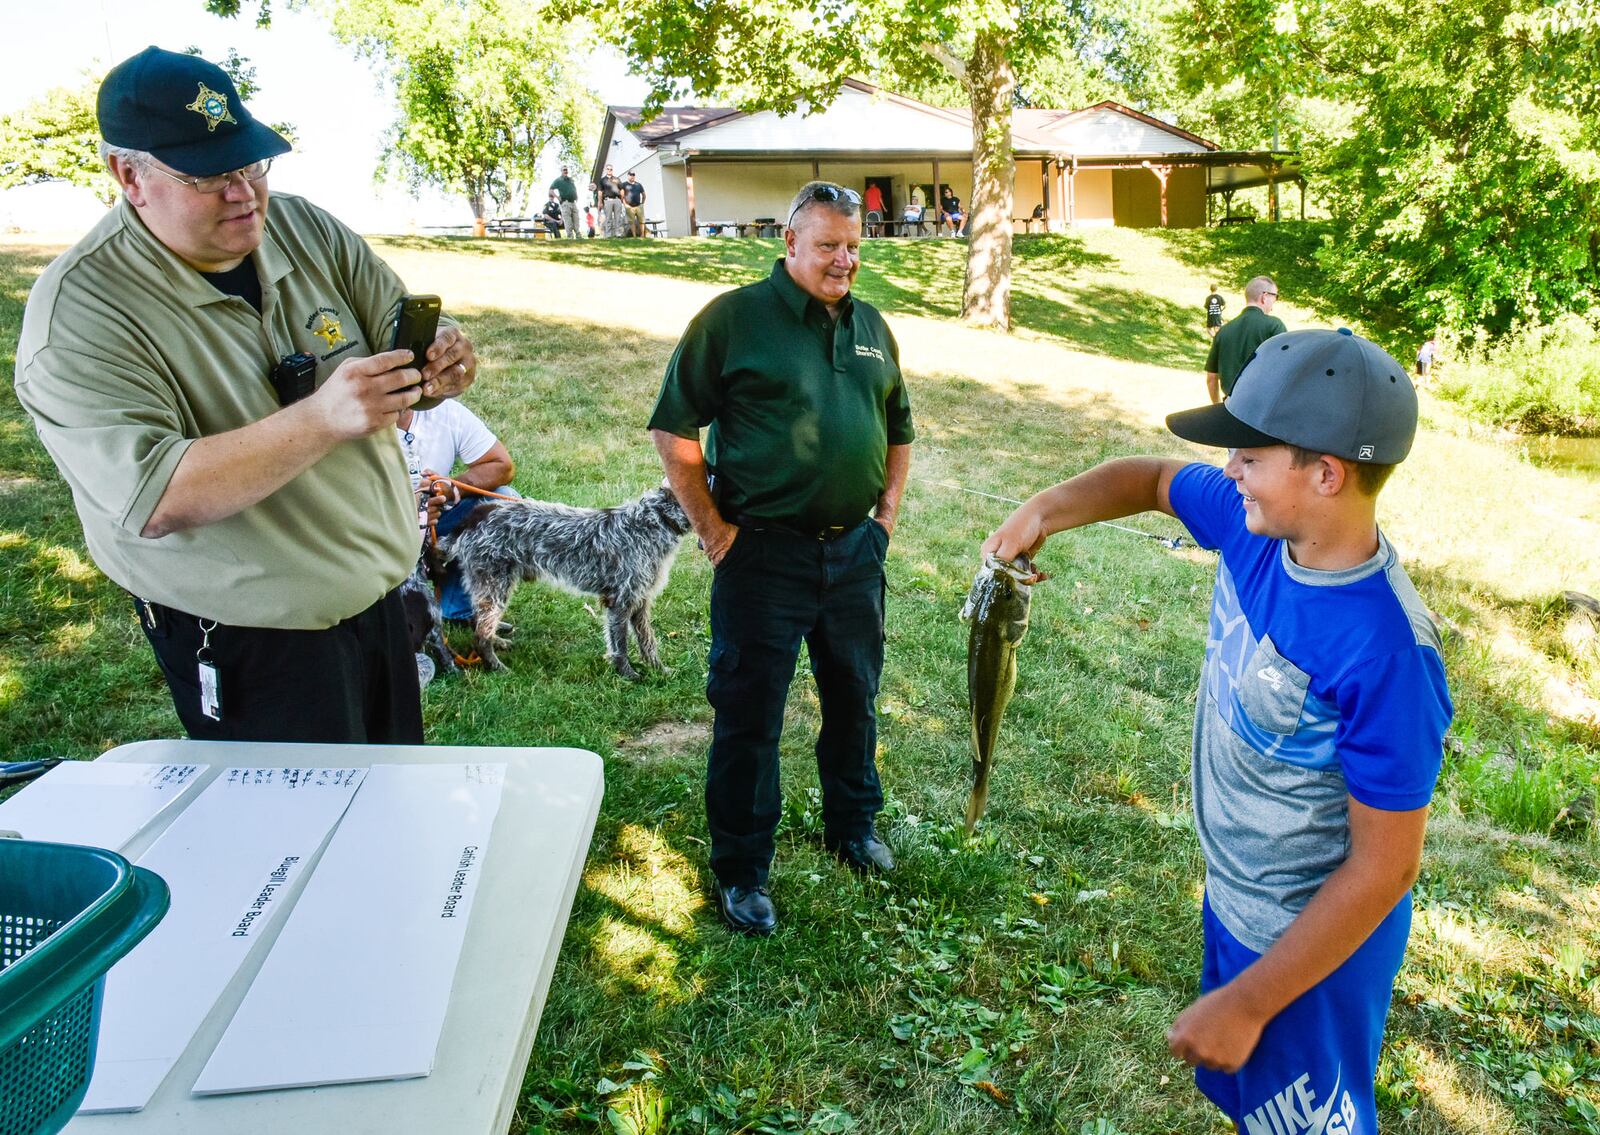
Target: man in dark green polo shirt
568	193
808	449
1232	347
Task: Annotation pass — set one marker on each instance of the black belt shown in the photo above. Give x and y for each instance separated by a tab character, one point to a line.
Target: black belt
767	524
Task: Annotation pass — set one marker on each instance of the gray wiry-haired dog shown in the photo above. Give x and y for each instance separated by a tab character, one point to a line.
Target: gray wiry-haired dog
620	554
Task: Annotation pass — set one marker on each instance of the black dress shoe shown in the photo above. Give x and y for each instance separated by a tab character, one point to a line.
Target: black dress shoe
865	853
747	910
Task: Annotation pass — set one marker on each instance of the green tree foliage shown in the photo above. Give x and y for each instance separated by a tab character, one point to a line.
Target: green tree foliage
483	89
1455	144
1470	187
55	138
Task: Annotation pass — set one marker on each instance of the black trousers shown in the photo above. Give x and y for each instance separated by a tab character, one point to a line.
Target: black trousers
773	590
354	683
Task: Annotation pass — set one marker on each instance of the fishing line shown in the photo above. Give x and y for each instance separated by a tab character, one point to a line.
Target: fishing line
1172	542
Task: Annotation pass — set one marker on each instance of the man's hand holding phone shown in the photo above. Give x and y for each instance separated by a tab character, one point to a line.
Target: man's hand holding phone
451	367
364	396
445	358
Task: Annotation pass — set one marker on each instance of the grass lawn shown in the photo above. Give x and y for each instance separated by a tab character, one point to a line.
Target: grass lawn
1021	981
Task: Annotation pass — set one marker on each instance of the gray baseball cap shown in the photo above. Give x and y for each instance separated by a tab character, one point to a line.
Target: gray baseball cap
1330	391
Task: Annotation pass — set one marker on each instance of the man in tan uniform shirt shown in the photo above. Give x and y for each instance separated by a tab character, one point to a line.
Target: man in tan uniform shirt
262	530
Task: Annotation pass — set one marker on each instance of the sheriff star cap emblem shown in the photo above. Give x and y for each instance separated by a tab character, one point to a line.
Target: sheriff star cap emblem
183	110
211	106
1328	391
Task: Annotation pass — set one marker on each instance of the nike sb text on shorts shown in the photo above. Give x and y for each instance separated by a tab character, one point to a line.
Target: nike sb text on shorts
1312	1071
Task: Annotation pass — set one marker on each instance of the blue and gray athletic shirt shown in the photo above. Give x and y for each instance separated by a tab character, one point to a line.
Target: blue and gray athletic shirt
1317	686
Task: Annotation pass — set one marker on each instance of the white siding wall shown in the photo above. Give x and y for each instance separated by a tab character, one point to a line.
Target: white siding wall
674	201
854	121
626	152
1109	132
743	191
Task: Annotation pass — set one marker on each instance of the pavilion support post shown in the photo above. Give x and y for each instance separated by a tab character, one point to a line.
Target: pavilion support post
1044	191
1302	198
936	206
688	185
1272	194
1059	218
1072	193
816	170
1162	173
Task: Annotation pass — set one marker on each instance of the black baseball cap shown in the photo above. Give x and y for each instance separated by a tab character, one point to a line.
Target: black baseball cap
185	112
1328	391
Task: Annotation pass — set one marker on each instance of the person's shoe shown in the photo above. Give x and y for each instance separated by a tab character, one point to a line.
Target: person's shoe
865	853
747	910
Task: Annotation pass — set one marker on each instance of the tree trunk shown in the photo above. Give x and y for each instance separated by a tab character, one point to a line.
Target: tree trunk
986	300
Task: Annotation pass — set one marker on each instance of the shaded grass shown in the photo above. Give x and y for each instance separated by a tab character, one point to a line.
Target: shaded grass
1045	957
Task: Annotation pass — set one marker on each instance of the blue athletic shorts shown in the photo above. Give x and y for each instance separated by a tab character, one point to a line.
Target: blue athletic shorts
1314	1067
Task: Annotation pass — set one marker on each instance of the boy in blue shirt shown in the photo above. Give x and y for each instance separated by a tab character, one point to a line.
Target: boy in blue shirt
1320	725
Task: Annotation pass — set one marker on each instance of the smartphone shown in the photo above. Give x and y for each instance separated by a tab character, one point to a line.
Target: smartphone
416	326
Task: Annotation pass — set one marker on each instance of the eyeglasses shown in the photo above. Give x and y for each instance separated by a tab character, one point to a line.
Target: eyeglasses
1274	295
255	171
825	193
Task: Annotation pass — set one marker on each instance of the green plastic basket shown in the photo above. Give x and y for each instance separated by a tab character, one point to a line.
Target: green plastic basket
66	915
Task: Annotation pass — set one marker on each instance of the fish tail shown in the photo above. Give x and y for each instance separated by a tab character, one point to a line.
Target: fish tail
979	799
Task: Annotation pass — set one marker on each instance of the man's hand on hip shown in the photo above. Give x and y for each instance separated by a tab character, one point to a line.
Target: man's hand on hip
718	540
364	396
452	365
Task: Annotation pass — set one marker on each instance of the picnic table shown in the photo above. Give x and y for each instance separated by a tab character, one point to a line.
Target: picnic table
532	227
655	228
766	226
530	874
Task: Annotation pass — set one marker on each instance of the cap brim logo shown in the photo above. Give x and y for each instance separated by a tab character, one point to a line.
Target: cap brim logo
213	107
1365	453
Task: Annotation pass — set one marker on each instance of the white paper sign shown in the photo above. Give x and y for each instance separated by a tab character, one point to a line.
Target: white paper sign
97	804
229	860
357	984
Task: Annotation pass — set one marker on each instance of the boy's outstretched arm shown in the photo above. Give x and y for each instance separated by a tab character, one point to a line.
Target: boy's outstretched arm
1221	1029
1116	488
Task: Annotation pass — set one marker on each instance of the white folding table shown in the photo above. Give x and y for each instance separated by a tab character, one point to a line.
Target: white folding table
535	859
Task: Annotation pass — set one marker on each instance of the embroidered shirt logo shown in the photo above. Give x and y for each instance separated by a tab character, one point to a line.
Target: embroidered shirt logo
213	107
326	325
328	331
1272	676
864	352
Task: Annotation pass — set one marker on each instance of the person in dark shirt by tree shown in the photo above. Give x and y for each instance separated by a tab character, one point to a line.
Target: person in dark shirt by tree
950	209
1214	305
552	214
633	203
